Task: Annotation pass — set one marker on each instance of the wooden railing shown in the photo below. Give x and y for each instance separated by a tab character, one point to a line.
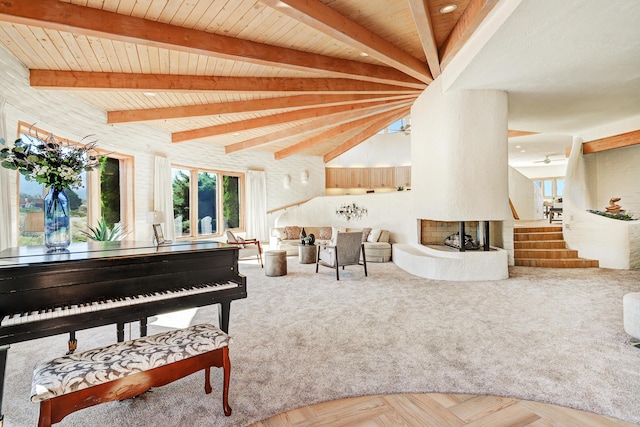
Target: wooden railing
287	206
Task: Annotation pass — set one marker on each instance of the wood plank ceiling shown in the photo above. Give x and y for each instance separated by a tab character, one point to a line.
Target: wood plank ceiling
314	77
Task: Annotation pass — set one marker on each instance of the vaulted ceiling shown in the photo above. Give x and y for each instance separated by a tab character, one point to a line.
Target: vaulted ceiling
318	77
313	77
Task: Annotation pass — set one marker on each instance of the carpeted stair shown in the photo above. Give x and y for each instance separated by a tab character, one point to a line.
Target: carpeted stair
545	247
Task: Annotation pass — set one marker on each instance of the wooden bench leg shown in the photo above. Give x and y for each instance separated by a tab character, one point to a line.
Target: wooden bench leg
45	414
226	367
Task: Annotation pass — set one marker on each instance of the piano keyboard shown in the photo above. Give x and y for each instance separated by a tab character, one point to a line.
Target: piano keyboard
52	313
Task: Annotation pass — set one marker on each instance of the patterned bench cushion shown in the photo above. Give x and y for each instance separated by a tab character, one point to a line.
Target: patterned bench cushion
101	365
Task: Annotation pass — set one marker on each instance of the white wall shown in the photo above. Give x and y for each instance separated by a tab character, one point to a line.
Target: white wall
71	118
525	196
614	243
384	210
378	151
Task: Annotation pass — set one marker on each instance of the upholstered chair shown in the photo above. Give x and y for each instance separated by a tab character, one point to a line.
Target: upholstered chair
344	250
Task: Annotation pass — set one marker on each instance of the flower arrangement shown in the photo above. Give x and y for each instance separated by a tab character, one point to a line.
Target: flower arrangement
56	164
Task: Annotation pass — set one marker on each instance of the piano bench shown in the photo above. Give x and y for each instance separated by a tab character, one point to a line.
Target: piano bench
127	369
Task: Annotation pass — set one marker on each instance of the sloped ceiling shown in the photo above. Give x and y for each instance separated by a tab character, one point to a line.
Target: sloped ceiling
318	77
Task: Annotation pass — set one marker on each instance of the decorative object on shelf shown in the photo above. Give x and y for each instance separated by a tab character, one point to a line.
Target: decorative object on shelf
58	165
613	207
351	211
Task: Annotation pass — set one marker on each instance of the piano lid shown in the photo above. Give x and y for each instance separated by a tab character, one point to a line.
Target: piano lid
26	255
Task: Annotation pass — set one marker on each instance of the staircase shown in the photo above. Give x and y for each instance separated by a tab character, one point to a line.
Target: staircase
545	247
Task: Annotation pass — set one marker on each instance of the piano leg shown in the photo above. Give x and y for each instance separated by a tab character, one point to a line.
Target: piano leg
73	342
223	315
120	331
3	364
143	327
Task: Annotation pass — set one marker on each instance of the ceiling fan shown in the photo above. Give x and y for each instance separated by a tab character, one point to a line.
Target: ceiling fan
548	160
405	128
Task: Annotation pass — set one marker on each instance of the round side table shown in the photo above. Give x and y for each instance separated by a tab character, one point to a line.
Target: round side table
307	254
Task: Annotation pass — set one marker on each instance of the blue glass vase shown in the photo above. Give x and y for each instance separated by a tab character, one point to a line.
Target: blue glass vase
57	230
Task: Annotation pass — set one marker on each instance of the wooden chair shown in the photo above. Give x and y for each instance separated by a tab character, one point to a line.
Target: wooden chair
346	251
248	247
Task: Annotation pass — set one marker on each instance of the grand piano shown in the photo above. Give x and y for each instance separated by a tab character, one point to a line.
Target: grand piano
99	283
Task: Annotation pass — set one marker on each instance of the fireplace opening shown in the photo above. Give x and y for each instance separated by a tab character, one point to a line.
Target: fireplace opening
477	234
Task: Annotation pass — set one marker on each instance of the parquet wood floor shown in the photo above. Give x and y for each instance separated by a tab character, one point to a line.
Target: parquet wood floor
436	409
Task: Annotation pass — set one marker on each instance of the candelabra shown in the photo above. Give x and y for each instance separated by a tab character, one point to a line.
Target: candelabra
350	211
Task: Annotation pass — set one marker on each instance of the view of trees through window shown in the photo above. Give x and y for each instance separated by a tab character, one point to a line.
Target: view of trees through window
216	209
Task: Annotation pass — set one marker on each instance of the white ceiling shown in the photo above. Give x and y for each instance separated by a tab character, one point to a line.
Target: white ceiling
568	66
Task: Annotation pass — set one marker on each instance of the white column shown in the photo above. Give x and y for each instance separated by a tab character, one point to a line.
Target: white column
459	153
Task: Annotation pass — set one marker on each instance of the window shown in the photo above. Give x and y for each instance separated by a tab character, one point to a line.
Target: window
103	194
203	207
551	187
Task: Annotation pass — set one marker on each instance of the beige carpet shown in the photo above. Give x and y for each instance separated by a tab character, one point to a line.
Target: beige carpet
548	335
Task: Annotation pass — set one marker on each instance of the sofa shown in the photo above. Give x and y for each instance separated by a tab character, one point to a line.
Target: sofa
376	242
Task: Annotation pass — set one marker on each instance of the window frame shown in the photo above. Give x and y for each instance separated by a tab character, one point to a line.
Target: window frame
540	183
92	183
193	201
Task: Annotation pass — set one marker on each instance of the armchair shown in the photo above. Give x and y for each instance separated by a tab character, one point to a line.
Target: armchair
345	251
248	247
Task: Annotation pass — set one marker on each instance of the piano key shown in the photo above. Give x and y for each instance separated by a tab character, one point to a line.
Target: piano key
20	318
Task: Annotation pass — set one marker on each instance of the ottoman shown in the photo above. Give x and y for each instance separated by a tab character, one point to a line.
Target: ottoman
275	263
631	310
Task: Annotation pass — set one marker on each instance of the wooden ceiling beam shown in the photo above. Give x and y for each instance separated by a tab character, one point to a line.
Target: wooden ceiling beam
609	143
326	135
469	21
61	16
300	129
422	18
280	118
214	109
367	133
53	79
326	20
516	133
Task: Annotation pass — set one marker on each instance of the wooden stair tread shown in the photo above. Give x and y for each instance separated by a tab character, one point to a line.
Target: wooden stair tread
545	247
557	263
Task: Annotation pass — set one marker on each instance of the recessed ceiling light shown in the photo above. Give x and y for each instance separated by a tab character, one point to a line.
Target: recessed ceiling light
448	8
150	94
518	146
364	54
523	151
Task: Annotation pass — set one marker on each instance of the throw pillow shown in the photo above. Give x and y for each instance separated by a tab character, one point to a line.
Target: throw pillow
365	234
325	233
374	235
334	234
292	232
